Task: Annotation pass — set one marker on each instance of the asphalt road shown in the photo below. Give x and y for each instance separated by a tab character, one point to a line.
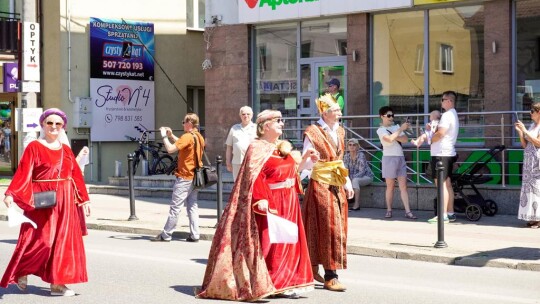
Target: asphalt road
127	268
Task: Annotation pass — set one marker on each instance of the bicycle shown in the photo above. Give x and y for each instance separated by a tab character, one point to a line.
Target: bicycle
161	161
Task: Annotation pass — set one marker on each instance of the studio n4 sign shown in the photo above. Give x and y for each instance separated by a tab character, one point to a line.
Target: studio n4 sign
254	11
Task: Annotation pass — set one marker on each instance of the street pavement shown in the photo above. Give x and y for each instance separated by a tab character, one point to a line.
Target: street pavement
500	241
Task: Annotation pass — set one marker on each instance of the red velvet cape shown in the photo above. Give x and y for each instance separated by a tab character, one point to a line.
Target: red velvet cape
236	268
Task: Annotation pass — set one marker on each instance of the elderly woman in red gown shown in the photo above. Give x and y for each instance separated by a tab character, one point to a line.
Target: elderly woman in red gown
55	250
243	265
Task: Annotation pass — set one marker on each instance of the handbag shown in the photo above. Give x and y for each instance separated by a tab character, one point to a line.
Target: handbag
204	176
47	199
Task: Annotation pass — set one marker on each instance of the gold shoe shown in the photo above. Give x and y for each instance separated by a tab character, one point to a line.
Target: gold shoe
22	283
334	285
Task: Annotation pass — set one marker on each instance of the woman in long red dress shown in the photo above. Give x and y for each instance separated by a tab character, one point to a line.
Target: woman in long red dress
243	265
55	250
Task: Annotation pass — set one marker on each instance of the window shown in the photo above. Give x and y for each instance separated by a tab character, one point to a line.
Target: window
195	14
419	64
446	60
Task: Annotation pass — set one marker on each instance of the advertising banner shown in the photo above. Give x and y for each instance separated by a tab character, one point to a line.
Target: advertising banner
254	11
121	49
118	106
11	75
31	62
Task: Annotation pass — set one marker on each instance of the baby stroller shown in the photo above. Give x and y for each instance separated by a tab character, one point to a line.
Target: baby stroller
473	204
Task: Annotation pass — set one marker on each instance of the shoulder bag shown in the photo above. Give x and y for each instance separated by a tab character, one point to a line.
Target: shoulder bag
47	199
204	176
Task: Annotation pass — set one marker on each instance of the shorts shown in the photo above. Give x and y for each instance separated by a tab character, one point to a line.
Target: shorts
393	166
448	165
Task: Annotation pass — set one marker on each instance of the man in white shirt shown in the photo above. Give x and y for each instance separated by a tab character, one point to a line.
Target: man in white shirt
443	149
238	140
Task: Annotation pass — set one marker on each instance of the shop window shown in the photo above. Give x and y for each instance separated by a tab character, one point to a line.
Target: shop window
195	11
527	56
324	38
446	59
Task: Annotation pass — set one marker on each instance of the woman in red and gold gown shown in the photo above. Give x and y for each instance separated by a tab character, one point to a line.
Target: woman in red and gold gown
243	265
54	251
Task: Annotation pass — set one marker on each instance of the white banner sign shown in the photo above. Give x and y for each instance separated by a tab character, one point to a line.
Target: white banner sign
118	106
253	11
31	51
30	119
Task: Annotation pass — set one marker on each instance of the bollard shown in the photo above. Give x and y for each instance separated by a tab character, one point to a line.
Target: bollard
144	167
440	206
117	168
219	188
132	216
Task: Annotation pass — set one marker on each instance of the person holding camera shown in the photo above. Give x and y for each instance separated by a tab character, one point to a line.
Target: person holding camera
393	161
183	190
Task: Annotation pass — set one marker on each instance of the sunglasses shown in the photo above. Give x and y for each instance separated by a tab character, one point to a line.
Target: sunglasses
352	144
51	123
389	115
533	111
185	121
279	120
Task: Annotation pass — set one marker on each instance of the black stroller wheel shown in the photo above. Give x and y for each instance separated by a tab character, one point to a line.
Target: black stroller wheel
490	208
473	212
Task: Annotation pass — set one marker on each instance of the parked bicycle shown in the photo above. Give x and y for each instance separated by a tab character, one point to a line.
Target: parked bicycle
161	161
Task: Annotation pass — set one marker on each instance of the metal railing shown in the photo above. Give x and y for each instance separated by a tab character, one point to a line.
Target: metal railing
478	132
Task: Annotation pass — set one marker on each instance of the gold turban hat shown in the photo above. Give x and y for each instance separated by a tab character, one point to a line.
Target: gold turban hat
326	102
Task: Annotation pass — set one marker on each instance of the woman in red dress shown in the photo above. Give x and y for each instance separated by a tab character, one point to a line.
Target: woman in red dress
243	265
55	250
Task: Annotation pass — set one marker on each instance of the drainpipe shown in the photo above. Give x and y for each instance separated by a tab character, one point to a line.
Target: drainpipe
68	27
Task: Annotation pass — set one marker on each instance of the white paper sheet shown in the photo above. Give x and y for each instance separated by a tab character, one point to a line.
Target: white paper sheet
281	230
15	218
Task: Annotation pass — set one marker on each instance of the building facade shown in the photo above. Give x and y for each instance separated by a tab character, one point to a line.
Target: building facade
402	53
171	51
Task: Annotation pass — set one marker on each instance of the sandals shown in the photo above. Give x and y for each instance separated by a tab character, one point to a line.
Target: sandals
533	225
22	283
409	215
388	214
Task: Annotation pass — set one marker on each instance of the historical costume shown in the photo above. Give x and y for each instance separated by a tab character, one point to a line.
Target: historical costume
324	210
55	250
243	265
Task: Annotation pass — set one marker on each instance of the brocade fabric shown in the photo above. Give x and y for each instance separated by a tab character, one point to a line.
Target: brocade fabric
324	210
242	265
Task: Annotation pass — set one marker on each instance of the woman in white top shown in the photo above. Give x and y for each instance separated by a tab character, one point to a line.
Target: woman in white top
393	161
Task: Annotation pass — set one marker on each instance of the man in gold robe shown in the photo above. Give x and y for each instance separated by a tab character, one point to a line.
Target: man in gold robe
324	210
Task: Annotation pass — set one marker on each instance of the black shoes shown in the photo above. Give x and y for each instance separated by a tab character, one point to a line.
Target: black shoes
159	238
191	240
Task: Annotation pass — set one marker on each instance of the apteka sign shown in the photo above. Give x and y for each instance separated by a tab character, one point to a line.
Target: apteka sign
255	11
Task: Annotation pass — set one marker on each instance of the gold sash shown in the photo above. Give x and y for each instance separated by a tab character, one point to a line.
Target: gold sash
333	173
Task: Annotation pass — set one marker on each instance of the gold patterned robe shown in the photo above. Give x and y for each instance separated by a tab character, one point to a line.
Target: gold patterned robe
324	210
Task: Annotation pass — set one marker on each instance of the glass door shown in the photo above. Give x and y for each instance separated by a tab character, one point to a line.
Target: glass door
7	142
313	78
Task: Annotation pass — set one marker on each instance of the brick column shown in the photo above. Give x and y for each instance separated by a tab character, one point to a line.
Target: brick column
227	84
498	65
358	80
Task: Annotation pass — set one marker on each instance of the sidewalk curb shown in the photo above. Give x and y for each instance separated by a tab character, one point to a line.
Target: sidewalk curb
442	258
